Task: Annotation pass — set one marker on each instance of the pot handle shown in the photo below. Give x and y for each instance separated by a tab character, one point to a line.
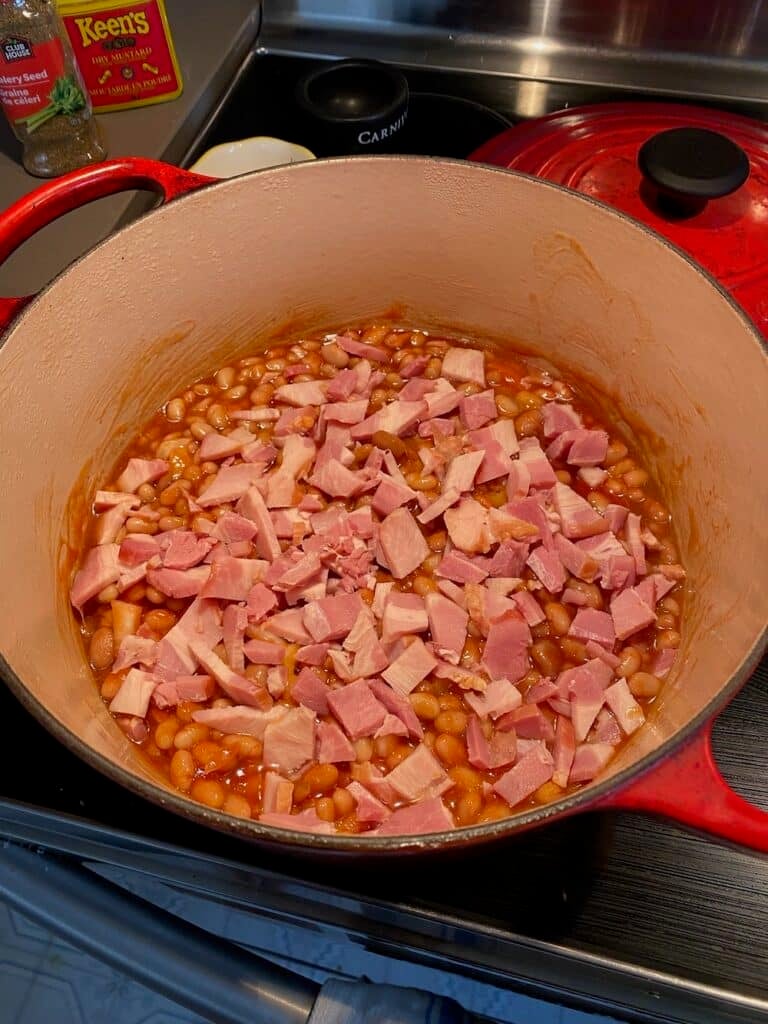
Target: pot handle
689	788
55	198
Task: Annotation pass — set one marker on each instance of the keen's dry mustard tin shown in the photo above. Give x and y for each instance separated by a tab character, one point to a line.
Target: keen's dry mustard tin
124	51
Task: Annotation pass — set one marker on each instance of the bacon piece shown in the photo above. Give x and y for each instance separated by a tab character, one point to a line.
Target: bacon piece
497	752
395	417
464	364
448	626
234	621
606	729
252	506
402	543
635	541
312	654
460	475
403	614
277	795
576	560
220	446
240	689
100	568
298	455
259	602
506	649
331	617
134	694
240	720
336	480
262	652
306	821
564	750
398	706
108	499
477	410
456	566
185	549
230	579
140	471
390	494
137	548
358	711
368	809
310	392
355	347
412	666
559	417
231	483
548	568
438	506
628	712
537	463
423	818
590	624
529	607
589	761
630	614
289	742
467	526
577	517
528	722
509	559
195	689
332	745
531	771
419	775
133	650
500	696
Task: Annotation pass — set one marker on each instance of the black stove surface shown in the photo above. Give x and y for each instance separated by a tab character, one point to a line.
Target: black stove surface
610	911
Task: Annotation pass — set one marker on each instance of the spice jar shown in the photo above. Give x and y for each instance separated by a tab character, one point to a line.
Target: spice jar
41	91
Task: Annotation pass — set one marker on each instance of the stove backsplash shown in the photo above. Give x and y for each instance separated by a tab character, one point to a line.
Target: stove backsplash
710	49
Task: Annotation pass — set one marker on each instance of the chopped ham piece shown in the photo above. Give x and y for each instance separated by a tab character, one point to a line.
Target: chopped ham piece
419	775
183	688
306	821
528	722
332	745
531	771
529	607
368	809
135	650
240	720
577	517
293	422
391	726
395	417
298	455
587	696
234	621
589	761
289	625
100	568
412	666
110	523
358	711
506	649
360	348
438	506
141	471
592	476
372	778
370	657
477	410
259	602
345	412
628	712
590	624
663	662
343	386
559	417
262	652
108	499
495	461
403	614
277	795
465	364
415	367
465	679
635	542
178	583
231	579
537	463
311	392
563	751
200	622
390	494
289	524
300	573
596	650
331	617
335	480
312	654
586	447
402	543
398	706
448	626
423	818
443	400
606	729
135	691
630	614
527	512
467	526
616	516
460	475
252	506
185	549
289	742
576	560
137	548
231	483
509	559
500	696
456	566
220	446
548	568
240	689
497	752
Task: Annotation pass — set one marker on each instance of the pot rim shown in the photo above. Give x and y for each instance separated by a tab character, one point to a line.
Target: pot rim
254	831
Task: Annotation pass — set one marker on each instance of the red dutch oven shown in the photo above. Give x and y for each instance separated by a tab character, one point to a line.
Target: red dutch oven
223	267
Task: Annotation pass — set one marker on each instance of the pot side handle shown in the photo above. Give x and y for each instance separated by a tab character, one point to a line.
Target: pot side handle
688	788
55	198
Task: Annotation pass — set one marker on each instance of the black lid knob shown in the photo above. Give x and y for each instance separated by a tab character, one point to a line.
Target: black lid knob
688	166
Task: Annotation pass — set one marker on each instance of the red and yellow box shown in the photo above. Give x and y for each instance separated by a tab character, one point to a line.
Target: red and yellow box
124	51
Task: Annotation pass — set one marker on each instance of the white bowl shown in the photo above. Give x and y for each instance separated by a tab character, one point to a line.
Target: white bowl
234	158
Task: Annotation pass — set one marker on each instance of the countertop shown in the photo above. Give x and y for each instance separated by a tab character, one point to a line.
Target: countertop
212	41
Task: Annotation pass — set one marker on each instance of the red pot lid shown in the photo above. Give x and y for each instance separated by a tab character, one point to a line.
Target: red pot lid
693	190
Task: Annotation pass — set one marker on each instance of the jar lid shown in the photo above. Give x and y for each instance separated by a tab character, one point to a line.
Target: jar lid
697	176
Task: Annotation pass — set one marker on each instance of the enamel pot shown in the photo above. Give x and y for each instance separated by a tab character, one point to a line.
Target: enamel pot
222	267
